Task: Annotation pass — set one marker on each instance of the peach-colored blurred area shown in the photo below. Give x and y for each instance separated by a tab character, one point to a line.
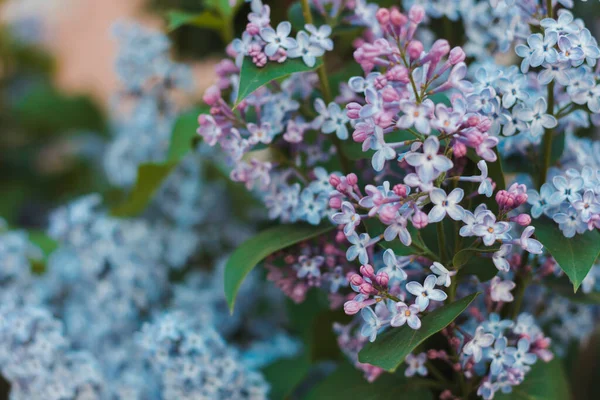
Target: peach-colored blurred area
78	33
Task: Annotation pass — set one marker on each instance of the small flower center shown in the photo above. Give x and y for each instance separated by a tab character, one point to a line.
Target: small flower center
407	313
490	230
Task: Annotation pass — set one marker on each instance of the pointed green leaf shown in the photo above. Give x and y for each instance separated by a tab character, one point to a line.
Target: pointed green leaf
184	131
390	350
576	255
149	179
253	77
285	375
346	382
545	381
255	249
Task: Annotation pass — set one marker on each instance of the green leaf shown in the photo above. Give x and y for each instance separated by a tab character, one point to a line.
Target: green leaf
346	382
224	7
184	131
576	255
254	250
545	381
149	179
205	19
46	244
390	350
285	375
481	267
253	77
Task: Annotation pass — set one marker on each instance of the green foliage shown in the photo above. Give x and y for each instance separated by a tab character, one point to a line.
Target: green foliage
576	255
184	133
46	244
346	382
149	179
253	77
392	347
285	375
545	381
44	110
255	249
204	19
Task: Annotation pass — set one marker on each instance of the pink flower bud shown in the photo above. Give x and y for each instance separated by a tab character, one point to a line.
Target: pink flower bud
252	29
397	18
356	280
212	95
340	237
335	203
334	180
390	94
523	219
382	279
352	307
380	82
352	110
416	14
440	48
398	73
387	214
456	367
457	55
520	199
459	149
367	289
352	179
400	190
414	50
383	16
484	124
367	270
432	354
473	120
420	219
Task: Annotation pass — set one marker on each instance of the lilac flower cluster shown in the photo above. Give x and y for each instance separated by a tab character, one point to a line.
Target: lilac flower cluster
264	43
571	200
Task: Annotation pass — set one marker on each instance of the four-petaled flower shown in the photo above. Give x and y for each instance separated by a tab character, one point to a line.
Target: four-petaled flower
277	39
426	292
446	204
429	163
476	345
406	314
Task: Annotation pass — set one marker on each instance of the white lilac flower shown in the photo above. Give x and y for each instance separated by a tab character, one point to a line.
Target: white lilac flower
569	221
446	204
320	36
347	217
523	359
485	183
305	49
500	290
371	324
443	275
335	120
496	326
383	151
587	206
358	248
426	292
476	345
406	315
528	244
540	202
513	90
566	189
278	39
310	266
490	230
538	117
499	258
398	229
393	266
471	220
558	71
416	365
499	356
415	114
